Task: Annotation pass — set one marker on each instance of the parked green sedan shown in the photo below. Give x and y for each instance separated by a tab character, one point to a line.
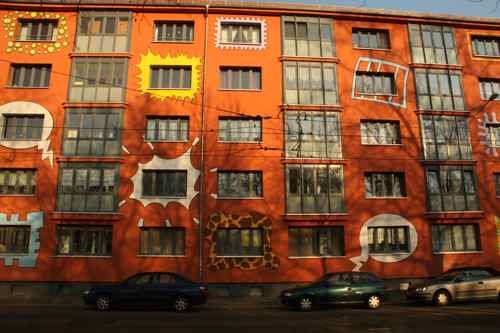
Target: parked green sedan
333	288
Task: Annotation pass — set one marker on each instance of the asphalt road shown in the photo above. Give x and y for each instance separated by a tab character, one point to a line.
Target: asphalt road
257	317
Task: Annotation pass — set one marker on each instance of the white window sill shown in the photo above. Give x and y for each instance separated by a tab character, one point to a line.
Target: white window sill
245	142
35	40
242	44
174	41
15	87
371	49
388	254
167	141
18	195
186	89
458	252
240	89
381	144
362	94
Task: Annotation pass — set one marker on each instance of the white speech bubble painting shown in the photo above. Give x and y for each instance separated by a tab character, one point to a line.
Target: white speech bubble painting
28	108
384	220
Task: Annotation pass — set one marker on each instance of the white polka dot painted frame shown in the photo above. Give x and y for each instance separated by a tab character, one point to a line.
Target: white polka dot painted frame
241	46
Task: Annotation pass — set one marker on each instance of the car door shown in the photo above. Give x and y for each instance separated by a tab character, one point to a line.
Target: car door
360	288
466	286
132	290
339	288
484	286
162	289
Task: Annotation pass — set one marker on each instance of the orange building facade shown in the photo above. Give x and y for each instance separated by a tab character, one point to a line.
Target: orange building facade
245	143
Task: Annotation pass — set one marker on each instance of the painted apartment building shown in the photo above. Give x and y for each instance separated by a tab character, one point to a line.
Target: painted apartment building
245	143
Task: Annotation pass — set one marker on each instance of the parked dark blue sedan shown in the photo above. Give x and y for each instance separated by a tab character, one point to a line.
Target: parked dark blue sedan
158	288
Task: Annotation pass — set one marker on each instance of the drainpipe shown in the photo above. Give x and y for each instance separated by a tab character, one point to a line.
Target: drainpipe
202	147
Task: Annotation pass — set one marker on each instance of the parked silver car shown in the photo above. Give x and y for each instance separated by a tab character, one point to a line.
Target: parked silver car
458	284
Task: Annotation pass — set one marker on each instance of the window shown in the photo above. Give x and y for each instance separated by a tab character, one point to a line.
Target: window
90	132
239	184
167	129
308	37
98	80
170	77
22	127
30	76
14	239
240	33
451	188
240	78
388	240
84	240
370	39
486	46
380	132
86	187
497	183
240	129
446	138
432	44
164	183
314	188
103	32
162	241
385	185
439	89
493	135
310	83
239	242
316	242
455	237
489	87
312	134
170	31
37	30
375	83
17	182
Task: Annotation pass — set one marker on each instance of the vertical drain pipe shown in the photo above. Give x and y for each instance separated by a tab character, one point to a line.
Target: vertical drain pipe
202	147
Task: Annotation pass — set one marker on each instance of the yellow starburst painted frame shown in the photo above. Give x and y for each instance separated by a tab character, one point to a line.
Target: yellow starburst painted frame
151	59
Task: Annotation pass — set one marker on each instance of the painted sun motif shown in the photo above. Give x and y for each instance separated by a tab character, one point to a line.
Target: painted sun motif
150	59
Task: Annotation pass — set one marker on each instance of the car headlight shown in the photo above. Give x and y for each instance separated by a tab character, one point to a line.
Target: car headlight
86	292
421	290
287	294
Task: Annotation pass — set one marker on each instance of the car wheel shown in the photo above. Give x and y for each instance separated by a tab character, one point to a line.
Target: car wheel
373	302
181	304
442	298
305	303
103	303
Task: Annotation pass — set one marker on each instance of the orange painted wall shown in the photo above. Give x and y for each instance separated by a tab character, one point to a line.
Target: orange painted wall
358	158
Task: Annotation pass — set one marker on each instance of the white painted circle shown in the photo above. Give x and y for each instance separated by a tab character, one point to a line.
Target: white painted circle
389	220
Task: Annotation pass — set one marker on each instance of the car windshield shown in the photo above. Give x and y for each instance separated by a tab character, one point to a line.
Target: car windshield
321	279
448	276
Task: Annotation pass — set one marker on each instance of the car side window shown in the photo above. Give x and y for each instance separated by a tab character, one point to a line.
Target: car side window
166	279
479	274
340	278
143	280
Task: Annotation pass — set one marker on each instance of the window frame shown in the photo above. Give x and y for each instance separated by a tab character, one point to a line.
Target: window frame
183	69
309	66
386	244
164	24
31	182
440	124
180	120
309	20
25	119
102	167
362	76
491	139
369	31
364	130
240	24
439	226
484	38
52	25
253	178
89	230
164	234
11	233
239	246
315	241
331	170
159	184
81	82
372	178
437	73
81	112
492	82
252	76
229	132
45	71
496	180
421	29
464	193
301	137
